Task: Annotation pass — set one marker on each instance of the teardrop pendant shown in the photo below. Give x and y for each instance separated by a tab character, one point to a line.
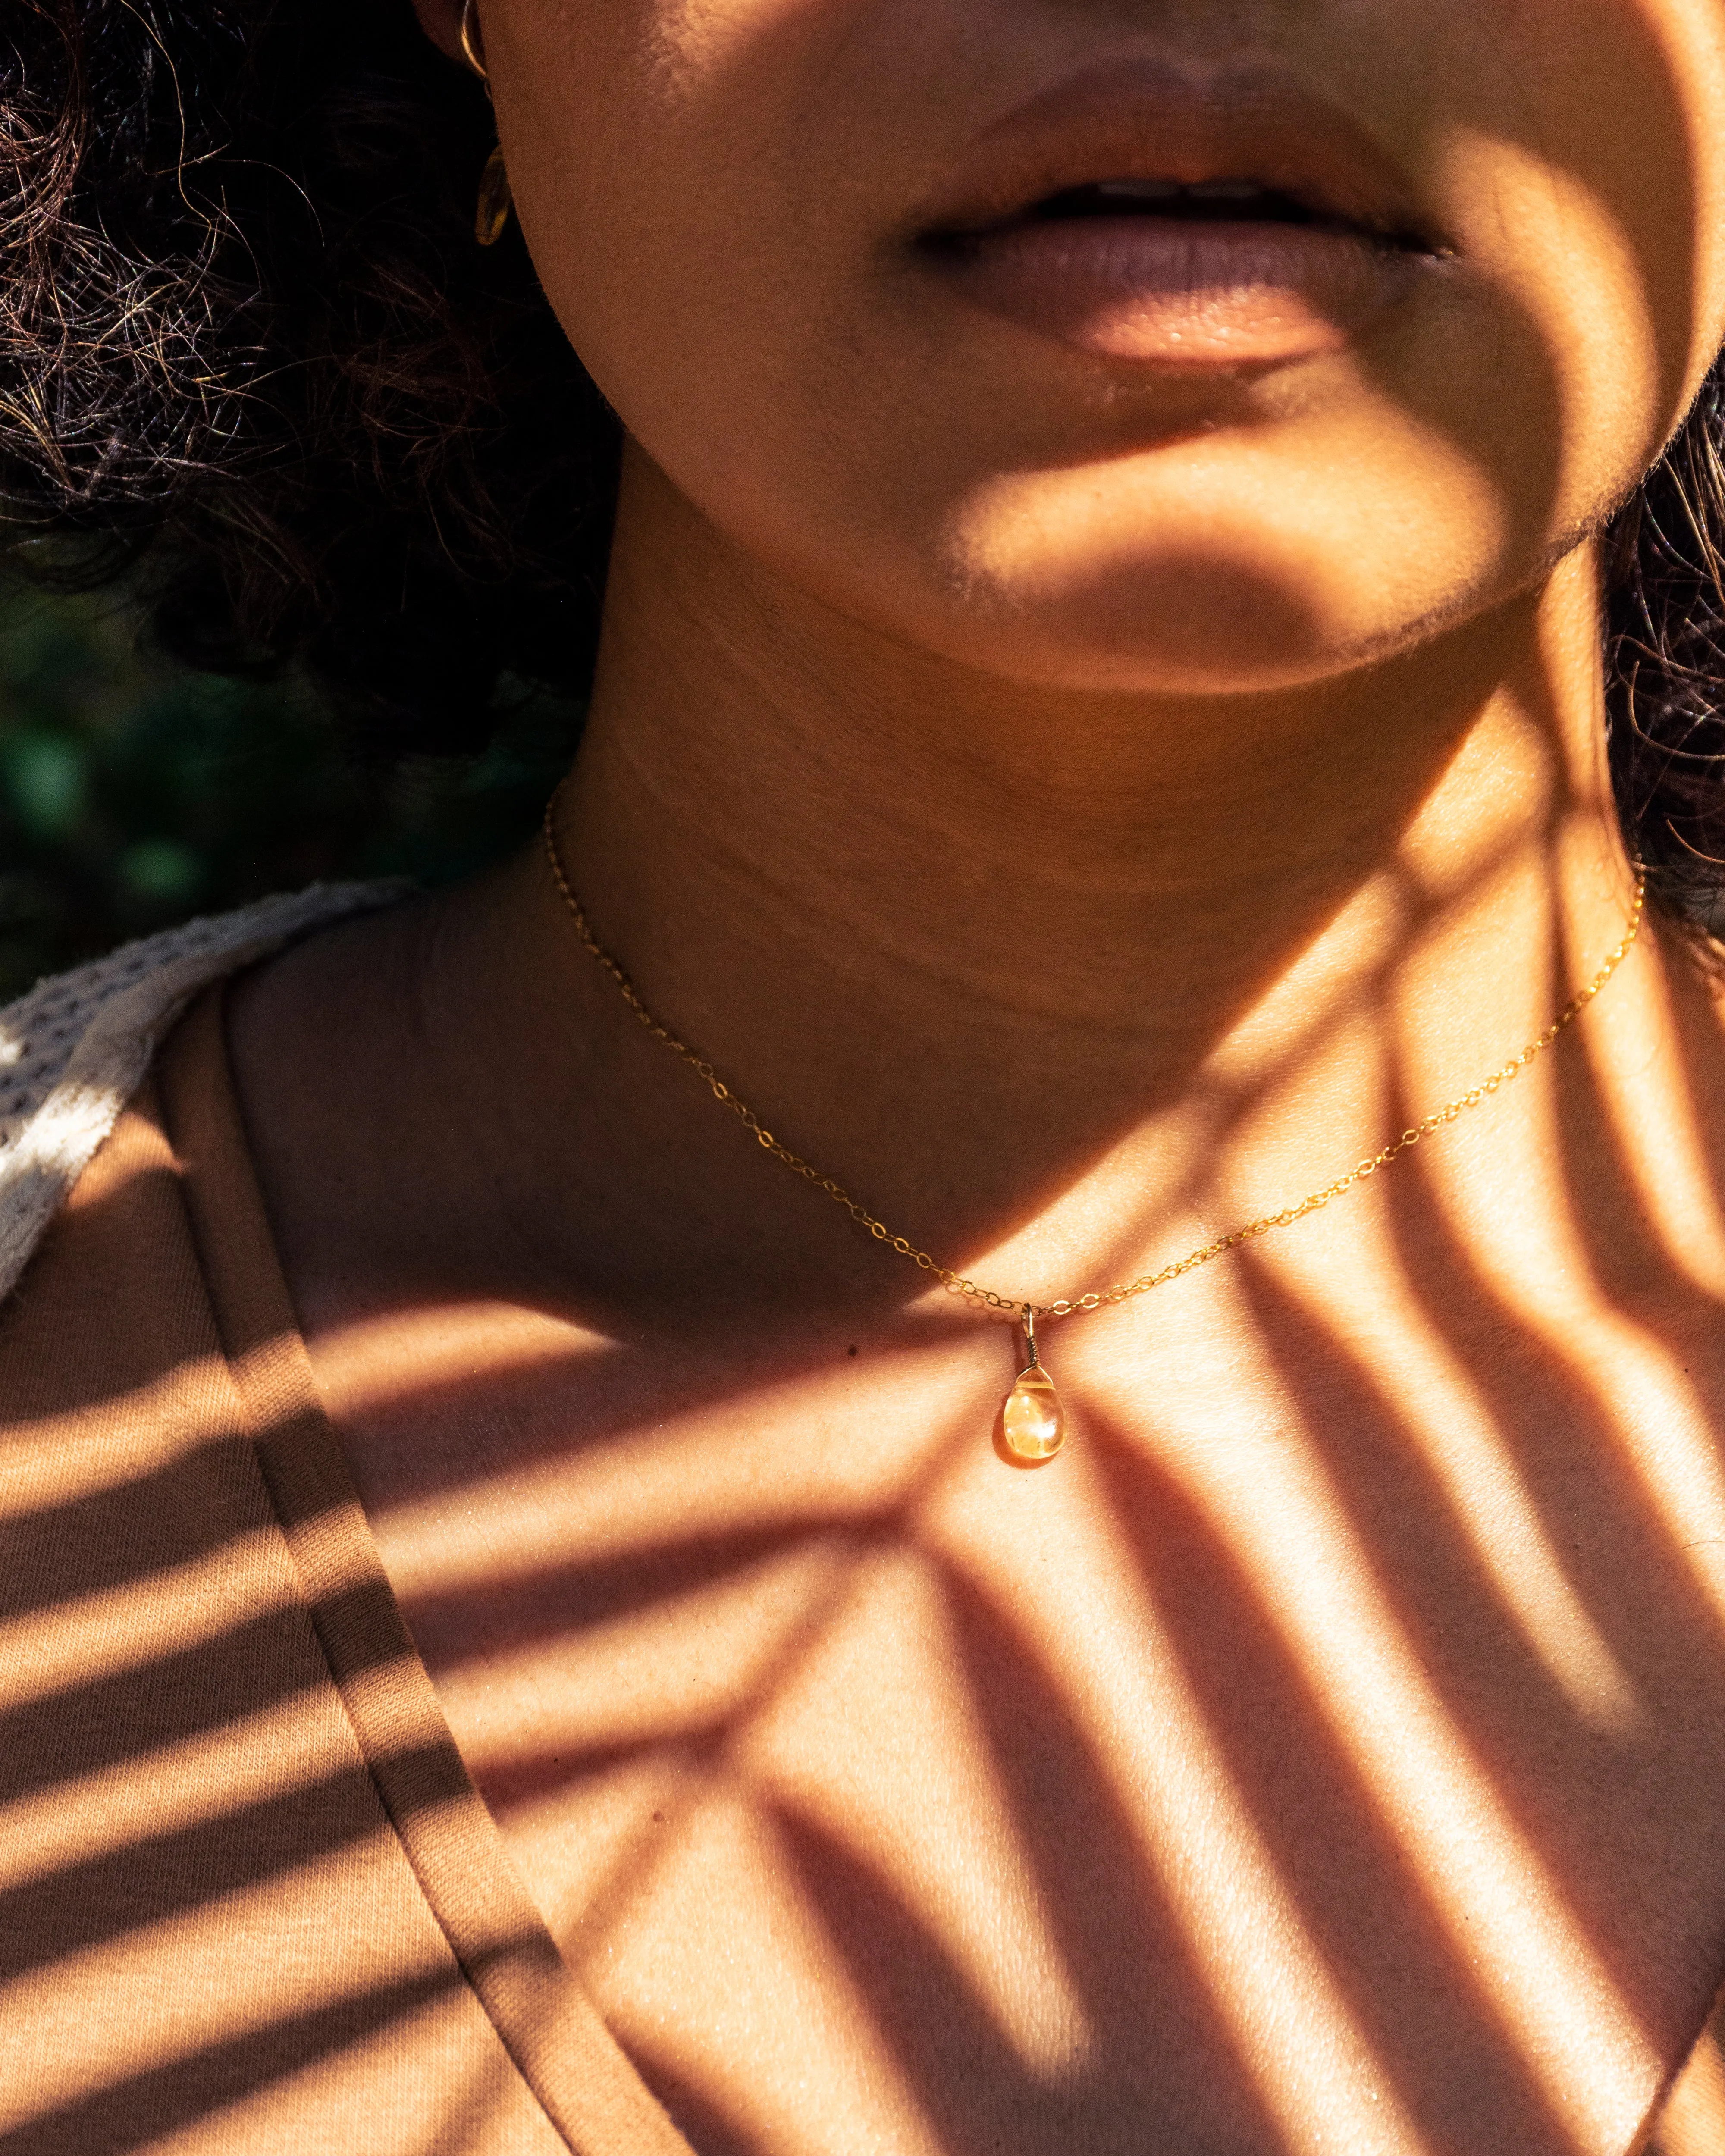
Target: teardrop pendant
1036	1428
1032	1422
494	201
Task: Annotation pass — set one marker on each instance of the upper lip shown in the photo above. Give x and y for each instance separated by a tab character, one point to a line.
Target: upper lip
1147	120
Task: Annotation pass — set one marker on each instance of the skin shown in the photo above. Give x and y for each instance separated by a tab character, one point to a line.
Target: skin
1083	806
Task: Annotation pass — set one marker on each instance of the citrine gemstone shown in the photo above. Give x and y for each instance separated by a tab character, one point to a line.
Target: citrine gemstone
1034	1427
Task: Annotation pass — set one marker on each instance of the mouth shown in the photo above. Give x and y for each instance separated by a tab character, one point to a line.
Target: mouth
1226	201
1136	215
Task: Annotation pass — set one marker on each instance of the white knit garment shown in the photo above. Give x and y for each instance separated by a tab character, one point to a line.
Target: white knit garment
74	1049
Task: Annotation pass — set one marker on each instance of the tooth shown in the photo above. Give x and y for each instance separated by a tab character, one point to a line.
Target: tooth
1225	190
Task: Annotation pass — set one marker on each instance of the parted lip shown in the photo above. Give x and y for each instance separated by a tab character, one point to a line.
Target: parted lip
1144	120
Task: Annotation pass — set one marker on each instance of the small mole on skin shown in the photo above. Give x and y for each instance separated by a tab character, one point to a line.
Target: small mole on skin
850	1351
659	1819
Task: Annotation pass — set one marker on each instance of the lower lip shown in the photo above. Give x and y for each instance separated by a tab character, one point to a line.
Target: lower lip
1174	293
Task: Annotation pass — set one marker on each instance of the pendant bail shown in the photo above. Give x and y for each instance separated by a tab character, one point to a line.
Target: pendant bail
1032	1422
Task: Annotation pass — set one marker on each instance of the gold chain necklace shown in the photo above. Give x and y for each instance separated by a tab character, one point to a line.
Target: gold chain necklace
1033	1424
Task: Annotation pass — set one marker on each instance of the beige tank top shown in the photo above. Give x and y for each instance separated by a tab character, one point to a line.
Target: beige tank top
249	1897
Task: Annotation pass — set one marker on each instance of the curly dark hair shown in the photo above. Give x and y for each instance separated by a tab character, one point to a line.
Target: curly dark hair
251	357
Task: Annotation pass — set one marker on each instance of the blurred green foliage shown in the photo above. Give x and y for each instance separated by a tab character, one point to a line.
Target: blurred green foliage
134	795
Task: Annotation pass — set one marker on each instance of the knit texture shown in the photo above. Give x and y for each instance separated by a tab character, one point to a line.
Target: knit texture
73	1051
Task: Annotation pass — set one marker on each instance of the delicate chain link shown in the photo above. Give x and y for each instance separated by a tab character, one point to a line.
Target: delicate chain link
1016	1305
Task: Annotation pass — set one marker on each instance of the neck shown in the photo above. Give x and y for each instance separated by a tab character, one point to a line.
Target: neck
978	948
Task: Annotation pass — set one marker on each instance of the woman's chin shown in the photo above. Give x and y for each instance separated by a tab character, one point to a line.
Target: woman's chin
1246	572
1168	624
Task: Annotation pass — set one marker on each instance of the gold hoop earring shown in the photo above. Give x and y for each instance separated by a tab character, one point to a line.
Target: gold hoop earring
472	50
495	200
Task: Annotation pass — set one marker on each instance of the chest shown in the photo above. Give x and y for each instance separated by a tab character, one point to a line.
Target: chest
1323	1766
